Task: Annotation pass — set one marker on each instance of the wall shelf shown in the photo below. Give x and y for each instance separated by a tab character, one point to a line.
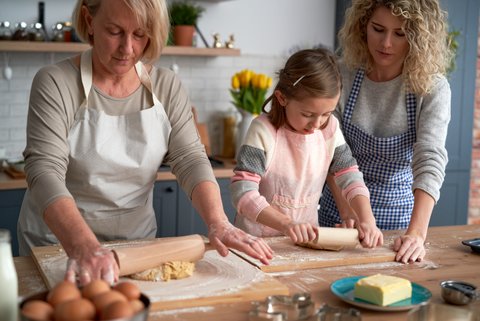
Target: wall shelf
32	46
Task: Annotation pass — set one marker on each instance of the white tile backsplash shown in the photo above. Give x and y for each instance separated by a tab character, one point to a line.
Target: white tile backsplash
207	80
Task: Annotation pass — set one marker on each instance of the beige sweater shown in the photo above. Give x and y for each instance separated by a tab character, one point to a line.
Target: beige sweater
55	97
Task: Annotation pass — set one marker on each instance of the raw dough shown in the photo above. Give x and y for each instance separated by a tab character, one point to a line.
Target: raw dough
333	239
166	272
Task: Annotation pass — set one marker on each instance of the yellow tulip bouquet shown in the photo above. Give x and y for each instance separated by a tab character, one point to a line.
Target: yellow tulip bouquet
249	89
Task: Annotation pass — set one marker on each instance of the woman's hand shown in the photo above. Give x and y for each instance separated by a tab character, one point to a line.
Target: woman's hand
369	234
347	223
90	265
300	232
223	235
409	248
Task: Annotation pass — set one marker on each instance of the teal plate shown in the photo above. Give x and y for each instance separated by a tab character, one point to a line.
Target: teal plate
343	289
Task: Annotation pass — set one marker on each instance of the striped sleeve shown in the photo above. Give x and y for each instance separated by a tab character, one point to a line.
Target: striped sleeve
252	161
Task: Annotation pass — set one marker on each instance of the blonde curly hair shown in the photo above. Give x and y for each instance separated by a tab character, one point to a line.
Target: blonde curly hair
425	28
152	14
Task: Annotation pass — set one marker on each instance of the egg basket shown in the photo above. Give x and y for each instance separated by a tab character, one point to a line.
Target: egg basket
139	316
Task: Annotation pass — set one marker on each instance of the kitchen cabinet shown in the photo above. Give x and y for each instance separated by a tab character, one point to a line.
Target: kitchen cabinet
190	222
165	198
10	204
173	210
32	46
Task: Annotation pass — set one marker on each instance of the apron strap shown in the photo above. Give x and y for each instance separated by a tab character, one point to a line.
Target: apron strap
86	75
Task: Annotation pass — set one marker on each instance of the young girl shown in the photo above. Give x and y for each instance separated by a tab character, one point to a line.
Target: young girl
288	151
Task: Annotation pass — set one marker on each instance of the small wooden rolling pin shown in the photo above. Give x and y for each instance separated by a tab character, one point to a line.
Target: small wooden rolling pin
334	239
133	259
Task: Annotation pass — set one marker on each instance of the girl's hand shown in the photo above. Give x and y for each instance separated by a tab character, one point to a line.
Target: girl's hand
369	235
92	265
409	248
223	235
300	232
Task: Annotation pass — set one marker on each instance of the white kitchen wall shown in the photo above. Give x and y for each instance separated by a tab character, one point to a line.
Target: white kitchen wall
266	32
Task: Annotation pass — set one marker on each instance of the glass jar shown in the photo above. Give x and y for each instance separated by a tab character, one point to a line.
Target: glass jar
67	31
58	32
8	279
230	120
36	32
5	31
21	32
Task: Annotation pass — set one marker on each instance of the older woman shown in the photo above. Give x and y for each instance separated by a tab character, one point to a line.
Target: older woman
99	126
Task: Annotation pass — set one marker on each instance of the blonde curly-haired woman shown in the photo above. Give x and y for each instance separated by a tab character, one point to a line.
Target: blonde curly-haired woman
394	111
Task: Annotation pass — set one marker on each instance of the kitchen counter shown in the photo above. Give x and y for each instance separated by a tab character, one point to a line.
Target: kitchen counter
447	259
220	171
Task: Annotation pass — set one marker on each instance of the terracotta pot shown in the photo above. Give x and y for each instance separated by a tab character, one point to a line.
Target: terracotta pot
183	35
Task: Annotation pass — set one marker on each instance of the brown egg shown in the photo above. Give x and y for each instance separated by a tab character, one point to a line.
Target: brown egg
129	289
103	299
137	306
94	288
37	310
117	310
63	291
75	310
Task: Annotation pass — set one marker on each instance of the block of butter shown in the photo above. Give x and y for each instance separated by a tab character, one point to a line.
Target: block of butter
382	289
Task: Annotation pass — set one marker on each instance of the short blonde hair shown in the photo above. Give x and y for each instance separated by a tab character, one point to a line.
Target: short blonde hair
151	14
426	31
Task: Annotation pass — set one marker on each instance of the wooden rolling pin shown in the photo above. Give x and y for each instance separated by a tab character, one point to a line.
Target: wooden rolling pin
334	239
139	258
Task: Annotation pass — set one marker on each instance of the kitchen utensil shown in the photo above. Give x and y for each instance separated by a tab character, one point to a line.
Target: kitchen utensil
328	313
283	308
139	316
459	292
443	312
473	243
142	257
343	289
290	257
298	307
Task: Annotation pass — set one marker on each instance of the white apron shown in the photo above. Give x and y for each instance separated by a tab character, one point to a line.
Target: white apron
113	164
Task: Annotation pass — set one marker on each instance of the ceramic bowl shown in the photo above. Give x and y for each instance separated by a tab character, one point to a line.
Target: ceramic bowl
139	316
458	292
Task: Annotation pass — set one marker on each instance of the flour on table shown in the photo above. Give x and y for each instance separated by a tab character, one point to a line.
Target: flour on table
214	276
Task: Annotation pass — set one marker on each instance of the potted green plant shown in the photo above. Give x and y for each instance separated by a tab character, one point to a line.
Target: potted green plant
183	18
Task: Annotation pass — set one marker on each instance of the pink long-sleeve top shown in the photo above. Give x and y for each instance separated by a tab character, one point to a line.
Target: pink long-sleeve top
287	170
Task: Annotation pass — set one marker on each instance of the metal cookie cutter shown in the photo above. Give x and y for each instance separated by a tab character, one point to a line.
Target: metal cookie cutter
328	313
283	308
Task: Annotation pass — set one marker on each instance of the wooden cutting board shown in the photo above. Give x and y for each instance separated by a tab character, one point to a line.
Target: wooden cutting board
216	280
290	257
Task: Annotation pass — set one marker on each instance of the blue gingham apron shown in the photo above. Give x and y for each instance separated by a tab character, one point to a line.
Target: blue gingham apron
386	166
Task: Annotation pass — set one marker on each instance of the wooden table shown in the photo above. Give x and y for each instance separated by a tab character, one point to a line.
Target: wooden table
446	259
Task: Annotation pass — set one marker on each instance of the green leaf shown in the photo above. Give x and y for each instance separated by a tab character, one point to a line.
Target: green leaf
184	13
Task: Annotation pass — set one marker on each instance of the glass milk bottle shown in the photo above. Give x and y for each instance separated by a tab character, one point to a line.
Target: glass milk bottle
8	280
